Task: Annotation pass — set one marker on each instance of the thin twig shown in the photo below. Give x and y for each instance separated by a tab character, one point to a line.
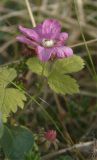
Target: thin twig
81	146
86	46
80	5
30	13
6	45
13	14
12	62
87	93
82	43
60	109
29	74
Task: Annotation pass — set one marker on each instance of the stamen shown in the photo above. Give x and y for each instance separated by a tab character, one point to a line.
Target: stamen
48	43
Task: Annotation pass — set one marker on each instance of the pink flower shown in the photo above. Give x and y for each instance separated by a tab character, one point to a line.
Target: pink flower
50	135
47	40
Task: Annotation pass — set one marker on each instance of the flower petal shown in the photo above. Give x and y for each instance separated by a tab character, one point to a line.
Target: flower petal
68	52
38	29
25	40
63	51
30	33
51	28
63	37
44	54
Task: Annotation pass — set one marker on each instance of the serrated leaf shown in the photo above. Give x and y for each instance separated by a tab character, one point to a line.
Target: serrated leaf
63	84
10	99
16	142
7	75
69	65
4	117
36	66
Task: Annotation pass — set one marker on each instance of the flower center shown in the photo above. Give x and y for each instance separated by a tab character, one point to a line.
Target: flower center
48	43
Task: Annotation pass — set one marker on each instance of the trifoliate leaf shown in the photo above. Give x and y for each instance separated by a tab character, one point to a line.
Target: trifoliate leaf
36	66
16	142
7	75
10	99
69	65
63	84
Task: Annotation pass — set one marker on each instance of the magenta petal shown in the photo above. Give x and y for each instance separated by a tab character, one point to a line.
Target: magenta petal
44	54
51	28
63	51
38	29
30	33
68	51
60	52
25	40
63	37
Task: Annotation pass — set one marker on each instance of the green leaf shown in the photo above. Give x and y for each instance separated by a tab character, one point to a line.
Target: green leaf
34	154
16	142
69	65
1	129
36	66
6	141
10	98
7	75
4	117
63	84
59	82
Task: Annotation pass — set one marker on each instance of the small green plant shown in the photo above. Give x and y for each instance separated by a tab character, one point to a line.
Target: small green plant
56	74
54	64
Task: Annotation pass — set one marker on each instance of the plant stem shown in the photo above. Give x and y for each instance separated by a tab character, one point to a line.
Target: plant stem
30	13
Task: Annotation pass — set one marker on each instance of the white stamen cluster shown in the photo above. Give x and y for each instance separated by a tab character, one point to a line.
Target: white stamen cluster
48	43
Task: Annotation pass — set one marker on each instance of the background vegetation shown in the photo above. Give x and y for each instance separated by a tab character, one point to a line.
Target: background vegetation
74	117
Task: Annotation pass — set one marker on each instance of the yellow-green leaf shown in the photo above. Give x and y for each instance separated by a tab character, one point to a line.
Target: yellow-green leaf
10	99
7	75
36	66
62	84
69	65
